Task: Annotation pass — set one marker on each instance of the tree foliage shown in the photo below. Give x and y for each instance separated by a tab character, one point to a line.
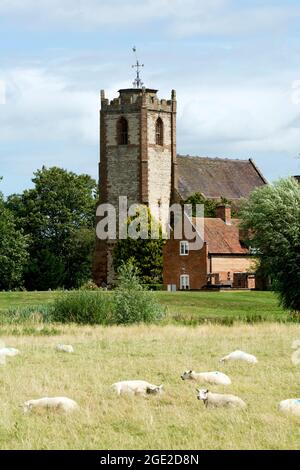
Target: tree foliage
13	250
58	216
272	216
145	253
210	205
133	303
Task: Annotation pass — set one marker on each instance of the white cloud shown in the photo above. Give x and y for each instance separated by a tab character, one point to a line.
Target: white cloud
183	17
2	92
44	107
244	119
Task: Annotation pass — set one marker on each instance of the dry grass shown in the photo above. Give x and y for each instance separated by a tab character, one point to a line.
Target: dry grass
177	420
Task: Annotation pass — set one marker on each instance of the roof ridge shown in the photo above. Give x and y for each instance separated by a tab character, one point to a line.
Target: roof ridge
214	158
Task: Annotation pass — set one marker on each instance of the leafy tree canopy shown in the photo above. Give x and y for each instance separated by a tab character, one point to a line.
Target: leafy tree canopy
145	254
272	216
58	215
210	205
13	249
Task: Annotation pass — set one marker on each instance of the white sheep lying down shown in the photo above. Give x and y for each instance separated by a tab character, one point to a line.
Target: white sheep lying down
53	403
4	352
291	405
216	400
68	348
9	352
240	356
213	378
136	387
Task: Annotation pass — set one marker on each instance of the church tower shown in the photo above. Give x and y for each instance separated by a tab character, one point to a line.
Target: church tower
137	158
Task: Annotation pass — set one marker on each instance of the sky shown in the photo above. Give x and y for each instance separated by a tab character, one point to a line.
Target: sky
235	66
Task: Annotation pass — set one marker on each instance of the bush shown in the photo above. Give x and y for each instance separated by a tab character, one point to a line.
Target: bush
133	303
89	285
84	307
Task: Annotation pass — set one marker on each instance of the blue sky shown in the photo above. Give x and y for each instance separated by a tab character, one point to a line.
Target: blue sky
234	64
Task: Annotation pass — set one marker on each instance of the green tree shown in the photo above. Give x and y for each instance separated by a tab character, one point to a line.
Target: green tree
145	253
210	205
58	215
13	250
272	217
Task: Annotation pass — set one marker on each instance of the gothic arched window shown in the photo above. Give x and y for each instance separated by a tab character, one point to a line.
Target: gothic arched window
159	132
122	131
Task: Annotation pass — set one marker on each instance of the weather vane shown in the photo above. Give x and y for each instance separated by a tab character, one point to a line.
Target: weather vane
137	81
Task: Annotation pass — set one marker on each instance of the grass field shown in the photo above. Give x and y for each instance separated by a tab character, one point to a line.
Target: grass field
183	307
176	420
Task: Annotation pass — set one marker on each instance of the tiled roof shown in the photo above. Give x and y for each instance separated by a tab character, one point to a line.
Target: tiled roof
222	238
216	177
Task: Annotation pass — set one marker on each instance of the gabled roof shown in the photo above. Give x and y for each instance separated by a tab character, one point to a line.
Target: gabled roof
217	177
222	238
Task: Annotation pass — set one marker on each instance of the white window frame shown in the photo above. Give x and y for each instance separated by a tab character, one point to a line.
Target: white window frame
184	248
184	282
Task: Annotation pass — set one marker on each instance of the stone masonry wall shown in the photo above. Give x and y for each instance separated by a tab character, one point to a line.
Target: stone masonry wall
160	168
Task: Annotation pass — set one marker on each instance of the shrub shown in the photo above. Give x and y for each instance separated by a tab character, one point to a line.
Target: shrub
133	303
89	285
84	307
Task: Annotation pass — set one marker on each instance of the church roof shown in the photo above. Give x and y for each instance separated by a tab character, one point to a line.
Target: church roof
217	177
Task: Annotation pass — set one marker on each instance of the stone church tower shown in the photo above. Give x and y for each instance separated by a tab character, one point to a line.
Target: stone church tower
137	159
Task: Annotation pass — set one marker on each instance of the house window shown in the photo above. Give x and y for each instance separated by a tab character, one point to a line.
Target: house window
122	131
184	248
159	132
184	282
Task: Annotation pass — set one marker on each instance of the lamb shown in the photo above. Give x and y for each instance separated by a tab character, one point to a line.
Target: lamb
214	378
64	348
54	403
215	400
291	405
136	387
240	356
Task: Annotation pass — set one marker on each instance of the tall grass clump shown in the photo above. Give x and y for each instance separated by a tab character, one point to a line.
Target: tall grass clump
133	303
83	307
29	314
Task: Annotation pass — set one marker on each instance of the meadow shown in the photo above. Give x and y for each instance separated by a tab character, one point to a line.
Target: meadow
188	308
159	354
175	420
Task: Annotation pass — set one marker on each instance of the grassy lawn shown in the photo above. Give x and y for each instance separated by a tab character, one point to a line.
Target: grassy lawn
183	307
24	299
176	420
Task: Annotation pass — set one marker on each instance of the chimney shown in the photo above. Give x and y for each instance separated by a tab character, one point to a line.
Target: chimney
224	212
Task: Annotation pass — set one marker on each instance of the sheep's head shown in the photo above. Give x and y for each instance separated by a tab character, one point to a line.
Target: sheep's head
187	375
27	406
202	393
154	390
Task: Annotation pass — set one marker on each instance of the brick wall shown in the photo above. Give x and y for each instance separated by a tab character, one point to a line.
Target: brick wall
194	264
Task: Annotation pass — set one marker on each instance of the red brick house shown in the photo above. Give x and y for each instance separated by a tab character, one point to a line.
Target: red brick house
223	259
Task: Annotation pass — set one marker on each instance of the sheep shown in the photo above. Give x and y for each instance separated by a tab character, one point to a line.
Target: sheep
239	356
54	403
214	378
4	352
296	344
9	352
296	354
215	400
291	405
136	387
64	348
